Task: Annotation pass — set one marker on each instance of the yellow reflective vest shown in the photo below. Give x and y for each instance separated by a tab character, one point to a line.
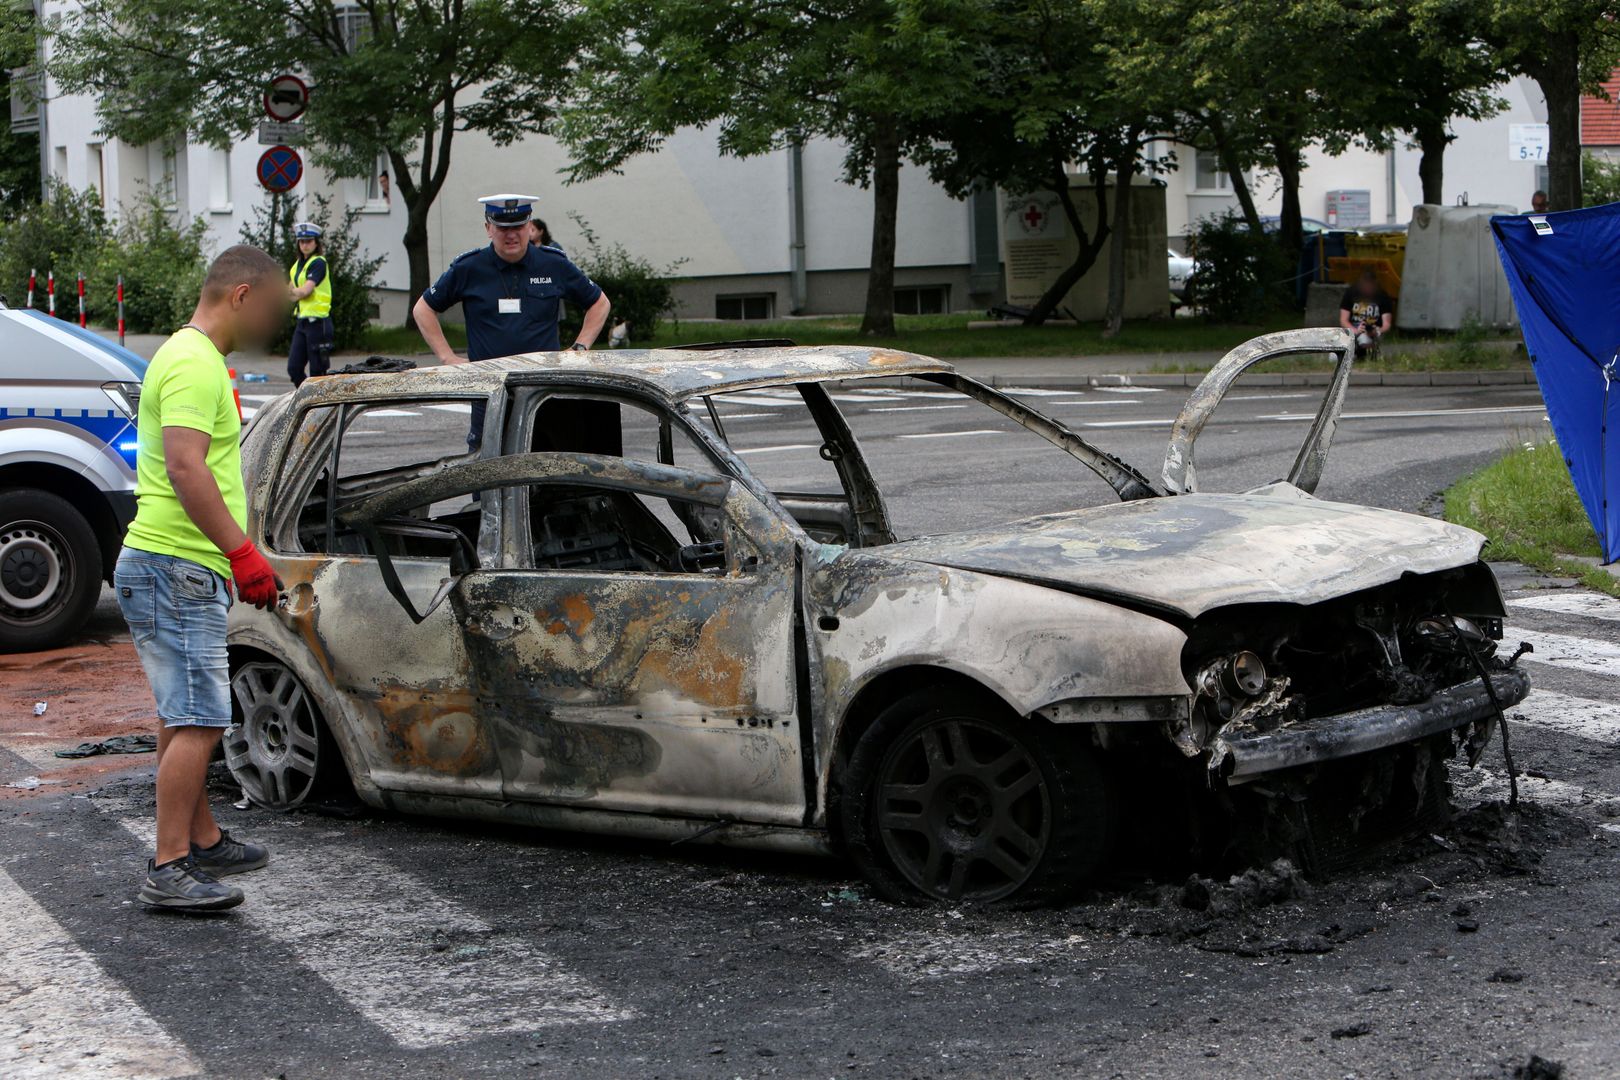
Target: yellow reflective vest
317	304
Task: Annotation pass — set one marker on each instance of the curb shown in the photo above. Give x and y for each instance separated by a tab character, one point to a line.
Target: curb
1296	378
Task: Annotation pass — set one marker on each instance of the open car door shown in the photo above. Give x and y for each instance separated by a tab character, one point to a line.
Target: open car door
1180	475
632	646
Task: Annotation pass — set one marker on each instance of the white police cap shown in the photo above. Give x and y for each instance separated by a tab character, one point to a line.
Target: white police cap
508	210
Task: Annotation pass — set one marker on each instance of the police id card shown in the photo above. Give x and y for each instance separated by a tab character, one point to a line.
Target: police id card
510	305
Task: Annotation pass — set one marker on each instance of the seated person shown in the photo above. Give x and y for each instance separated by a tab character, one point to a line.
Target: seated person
1366	311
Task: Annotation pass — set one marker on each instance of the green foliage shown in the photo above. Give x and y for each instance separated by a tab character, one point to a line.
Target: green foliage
353	271
640	293
1525	503
64	233
162	266
1239	275
1600	180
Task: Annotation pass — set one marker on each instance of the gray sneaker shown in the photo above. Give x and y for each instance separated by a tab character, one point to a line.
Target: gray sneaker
181	886
229	856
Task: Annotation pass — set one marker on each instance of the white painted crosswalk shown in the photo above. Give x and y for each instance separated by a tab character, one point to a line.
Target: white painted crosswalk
418	964
62	1015
1572	602
1576	652
1581	717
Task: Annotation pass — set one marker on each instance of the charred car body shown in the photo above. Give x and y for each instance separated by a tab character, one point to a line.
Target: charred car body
561	630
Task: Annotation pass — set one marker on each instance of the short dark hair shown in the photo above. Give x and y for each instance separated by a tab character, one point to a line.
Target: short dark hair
240	264
1539	194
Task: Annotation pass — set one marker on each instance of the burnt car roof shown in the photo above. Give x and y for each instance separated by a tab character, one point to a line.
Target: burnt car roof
671	373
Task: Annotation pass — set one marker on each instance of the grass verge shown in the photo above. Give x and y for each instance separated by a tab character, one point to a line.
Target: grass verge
1525	503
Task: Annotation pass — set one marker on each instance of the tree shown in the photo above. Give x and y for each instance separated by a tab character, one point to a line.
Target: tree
1568	47
19	151
1431	70
389	78
1045	92
770	76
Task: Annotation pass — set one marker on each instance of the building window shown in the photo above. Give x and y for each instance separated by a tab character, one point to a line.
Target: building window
922	299
749	306
162	171
354	23
219	180
371	193
1207	172
96	168
59	164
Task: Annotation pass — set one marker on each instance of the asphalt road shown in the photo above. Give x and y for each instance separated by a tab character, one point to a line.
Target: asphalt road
378	946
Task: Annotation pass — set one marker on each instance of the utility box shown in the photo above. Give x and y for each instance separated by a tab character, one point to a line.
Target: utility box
1452	271
1350	208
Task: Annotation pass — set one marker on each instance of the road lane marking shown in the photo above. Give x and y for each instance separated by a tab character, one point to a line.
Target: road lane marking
1570	651
1031	391
775	449
1487	783
954	434
390	412
62	1015
1410	414
1571	715
465	408
418	965
258	397
1088	401
1166	422
915	408
1128	389
1591	604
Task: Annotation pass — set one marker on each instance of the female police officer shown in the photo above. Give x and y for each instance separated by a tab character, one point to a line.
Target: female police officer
311	290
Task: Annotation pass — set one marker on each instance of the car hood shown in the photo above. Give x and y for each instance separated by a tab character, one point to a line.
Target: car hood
1192	553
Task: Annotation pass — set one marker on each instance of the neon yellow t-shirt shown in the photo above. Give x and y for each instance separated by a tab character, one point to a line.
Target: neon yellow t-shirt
187	385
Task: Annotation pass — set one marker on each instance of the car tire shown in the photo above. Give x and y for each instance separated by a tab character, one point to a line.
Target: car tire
50	570
279	750
952	798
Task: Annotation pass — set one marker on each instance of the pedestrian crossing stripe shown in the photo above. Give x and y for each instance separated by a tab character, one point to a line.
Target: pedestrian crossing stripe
1570	602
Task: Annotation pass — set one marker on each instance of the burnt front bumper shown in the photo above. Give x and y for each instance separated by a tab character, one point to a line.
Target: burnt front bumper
1239	757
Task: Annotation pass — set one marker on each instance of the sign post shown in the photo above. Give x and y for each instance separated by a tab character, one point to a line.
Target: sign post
279	170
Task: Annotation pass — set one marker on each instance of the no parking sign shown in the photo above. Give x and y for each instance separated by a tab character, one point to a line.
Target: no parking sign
280	169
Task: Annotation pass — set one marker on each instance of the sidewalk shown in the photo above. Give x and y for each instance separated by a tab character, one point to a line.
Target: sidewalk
1035	372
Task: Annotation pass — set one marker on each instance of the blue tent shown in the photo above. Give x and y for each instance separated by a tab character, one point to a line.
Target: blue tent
1564	270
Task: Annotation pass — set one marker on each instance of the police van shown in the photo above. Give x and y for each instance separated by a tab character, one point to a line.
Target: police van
67	472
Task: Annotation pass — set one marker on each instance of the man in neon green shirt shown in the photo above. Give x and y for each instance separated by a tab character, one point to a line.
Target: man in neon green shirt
183	551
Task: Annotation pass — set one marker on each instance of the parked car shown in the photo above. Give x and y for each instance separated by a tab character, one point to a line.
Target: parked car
1181	268
608	620
67	472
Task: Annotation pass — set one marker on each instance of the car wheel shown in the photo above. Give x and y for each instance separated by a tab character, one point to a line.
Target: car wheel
50	569
952	798
278	750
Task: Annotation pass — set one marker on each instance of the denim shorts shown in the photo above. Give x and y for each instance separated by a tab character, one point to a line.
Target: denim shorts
176	614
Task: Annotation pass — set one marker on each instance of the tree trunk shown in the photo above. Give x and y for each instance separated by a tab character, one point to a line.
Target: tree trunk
879	317
418	272
1090	247
1115	317
1234	172
1290	224
1432	142
1559	78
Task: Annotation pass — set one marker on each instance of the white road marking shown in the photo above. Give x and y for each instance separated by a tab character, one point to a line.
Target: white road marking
61	1015
464	409
1409	414
724	417
1570	651
1166	422
418	965
1129	389
1571	715
1591	604
775	449
1486	783
249	412
1267	397
390	412
915	408
954	434
1031	391
258	397
1091	401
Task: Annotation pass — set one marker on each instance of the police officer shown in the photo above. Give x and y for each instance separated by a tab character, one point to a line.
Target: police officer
311	291
510	294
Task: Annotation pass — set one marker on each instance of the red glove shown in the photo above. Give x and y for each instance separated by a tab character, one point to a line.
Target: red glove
256	583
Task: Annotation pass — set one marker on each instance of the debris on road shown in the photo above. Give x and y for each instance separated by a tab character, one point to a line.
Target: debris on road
117	744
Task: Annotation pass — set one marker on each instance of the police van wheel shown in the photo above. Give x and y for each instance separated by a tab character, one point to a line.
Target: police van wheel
50	570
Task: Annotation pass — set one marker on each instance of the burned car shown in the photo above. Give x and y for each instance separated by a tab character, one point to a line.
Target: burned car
607	618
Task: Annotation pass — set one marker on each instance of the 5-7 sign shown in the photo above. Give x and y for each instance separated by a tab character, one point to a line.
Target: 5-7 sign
1527	142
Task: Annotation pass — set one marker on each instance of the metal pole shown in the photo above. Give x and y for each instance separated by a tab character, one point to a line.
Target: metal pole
83	322
120	309
33	275
50	292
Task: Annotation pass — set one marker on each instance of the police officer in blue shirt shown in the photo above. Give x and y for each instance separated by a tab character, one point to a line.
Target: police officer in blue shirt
510	293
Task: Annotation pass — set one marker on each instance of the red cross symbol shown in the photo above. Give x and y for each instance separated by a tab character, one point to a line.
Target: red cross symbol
1033	216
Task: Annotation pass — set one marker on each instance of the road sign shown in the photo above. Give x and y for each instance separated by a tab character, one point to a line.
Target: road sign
280	169
276	133
1527	142
286	98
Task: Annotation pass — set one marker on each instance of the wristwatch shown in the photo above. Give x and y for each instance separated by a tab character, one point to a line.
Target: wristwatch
580	345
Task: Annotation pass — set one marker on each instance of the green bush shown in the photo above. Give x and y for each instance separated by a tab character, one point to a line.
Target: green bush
640	293
162	266
353	271
1600	180
64	232
1239	276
